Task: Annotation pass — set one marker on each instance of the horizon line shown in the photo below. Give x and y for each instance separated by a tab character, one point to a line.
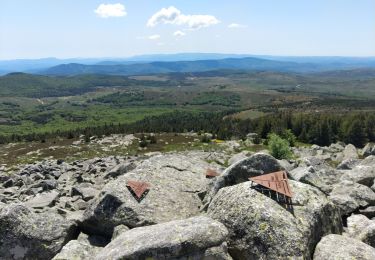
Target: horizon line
187	53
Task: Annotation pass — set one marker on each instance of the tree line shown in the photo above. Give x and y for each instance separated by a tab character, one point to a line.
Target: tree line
357	128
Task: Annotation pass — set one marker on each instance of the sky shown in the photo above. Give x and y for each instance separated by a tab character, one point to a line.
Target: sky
123	28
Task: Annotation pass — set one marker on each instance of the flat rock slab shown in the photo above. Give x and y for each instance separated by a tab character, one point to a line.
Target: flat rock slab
43	200
194	238
175	183
336	247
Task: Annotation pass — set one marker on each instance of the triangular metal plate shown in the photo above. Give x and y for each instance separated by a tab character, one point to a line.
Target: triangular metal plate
276	181
138	188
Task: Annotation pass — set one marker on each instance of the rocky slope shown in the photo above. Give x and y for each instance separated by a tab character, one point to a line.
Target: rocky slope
84	209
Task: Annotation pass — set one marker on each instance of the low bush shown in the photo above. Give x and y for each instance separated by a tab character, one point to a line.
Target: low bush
278	147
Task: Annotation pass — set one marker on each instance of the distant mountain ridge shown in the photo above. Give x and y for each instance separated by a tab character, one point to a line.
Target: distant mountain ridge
168	67
300	63
34	65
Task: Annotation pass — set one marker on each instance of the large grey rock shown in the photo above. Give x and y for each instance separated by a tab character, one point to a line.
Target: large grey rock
193	238
316	172
77	250
261	228
87	192
355	224
349	196
322	178
350	152
336	247
348	164
27	235
83	248
368	150
175	183
361	228
360	174
241	171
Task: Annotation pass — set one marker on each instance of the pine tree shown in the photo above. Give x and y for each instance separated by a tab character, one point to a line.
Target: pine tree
355	133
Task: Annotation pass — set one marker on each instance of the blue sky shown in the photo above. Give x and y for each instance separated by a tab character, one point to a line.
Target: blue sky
72	28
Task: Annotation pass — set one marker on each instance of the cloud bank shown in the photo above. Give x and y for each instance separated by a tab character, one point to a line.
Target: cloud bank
110	10
172	15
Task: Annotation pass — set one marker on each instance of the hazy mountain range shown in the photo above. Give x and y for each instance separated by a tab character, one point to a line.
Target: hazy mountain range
182	62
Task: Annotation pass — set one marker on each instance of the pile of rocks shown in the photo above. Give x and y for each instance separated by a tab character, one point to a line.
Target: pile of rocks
84	209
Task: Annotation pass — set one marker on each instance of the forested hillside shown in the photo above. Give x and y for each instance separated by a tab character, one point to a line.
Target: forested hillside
322	107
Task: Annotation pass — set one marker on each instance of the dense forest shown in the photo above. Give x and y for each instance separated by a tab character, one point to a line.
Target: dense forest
357	128
38	86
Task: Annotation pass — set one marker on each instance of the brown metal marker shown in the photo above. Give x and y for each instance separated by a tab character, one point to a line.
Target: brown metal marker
138	188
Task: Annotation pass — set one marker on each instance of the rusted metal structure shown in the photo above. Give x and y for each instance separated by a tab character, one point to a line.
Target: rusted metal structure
276	182
139	189
211	173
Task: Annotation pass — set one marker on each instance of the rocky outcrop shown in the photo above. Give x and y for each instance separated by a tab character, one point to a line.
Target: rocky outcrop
193	238
175	180
317	173
334	152
348	164
351	192
53	197
350	196
28	235
260	228
360	174
57	184
336	247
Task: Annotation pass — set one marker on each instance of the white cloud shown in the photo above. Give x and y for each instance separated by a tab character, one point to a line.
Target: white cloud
236	25
154	37
172	15
165	15
179	33
110	10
